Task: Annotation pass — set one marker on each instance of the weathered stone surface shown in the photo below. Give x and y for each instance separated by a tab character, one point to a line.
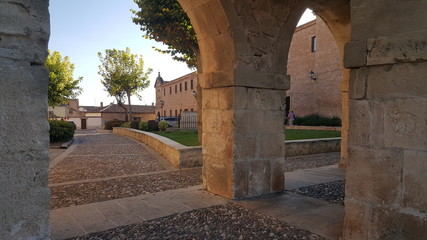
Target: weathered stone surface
415	189
396	81
381	174
355	221
405	124
395	224
24	138
407	47
355	54
359	83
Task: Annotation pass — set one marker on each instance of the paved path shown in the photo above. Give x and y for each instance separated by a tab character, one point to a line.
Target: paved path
303	212
95	217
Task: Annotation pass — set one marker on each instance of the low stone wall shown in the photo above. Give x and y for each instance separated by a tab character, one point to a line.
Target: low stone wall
185	157
178	155
312	128
312	146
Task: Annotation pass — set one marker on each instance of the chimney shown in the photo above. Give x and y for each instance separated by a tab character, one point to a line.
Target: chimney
102	104
152	104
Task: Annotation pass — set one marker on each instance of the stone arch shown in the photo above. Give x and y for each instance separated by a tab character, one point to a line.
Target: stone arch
244	47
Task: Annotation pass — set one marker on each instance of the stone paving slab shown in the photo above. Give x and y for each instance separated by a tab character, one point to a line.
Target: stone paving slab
300	211
312	176
80	220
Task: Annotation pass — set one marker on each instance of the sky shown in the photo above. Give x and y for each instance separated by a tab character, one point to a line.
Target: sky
82	28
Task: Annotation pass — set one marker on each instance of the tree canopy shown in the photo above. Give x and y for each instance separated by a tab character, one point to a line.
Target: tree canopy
62	85
165	21
123	74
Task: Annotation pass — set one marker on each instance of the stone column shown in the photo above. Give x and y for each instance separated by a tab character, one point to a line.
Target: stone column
386	190
243	140
24	137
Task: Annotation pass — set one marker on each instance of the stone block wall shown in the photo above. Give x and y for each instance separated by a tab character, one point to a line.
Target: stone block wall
24	137
386	191
178	155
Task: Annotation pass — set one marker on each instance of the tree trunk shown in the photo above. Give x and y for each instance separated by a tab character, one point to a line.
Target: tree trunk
124	107
130	107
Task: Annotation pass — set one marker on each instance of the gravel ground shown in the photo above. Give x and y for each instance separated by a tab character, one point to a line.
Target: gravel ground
97	191
311	161
219	222
333	192
85	167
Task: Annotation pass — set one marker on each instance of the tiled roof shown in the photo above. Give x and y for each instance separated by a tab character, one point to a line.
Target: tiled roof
114	108
90	109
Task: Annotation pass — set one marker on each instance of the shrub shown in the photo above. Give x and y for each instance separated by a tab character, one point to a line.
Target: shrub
60	131
134	124
114	123
317	120
143	126
153	125
125	125
163	125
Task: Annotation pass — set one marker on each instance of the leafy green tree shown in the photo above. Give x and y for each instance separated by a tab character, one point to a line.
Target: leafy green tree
165	21
123	73
62	85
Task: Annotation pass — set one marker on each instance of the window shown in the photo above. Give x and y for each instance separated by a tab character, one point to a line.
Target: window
313	44
176	88
176	113
170	90
164	113
180	87
170	112
185	86
185	110
191	84
192	110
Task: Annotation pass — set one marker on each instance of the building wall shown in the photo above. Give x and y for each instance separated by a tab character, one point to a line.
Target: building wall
322	96
60	111
121	116
177	101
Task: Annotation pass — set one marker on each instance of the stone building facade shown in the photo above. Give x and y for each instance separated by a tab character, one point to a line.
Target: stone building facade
244	47
313	49
176	96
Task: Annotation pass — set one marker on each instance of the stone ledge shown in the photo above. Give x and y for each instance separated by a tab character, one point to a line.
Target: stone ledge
312	146
178	155
312	127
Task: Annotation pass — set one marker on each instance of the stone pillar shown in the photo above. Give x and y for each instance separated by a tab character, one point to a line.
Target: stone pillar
243	140
386	190
24	140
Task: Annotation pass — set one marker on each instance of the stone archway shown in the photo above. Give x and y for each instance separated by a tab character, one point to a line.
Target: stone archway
244	46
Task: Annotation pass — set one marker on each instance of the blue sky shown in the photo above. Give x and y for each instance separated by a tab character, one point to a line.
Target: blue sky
82	28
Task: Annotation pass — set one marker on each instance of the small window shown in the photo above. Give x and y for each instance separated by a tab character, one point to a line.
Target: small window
185	86
170	113
176	88
192	110
176	113
180	87
164	113
170	90
191	84
313	44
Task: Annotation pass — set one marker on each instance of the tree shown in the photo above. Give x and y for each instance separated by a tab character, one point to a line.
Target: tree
123	73
62	85
165	21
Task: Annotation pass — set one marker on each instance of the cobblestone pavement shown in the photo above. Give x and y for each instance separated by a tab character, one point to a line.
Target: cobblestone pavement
106	166
219	222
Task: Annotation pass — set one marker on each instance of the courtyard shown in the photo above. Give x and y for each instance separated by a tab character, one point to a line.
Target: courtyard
137	194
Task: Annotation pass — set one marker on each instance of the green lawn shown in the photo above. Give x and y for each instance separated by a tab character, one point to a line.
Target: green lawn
189	138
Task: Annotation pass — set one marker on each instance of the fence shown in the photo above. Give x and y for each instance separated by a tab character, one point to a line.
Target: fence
188	120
